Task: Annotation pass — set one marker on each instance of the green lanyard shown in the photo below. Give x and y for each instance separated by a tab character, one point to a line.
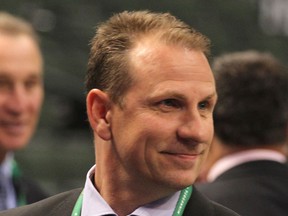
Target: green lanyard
180	206
16	174
182	201
78	206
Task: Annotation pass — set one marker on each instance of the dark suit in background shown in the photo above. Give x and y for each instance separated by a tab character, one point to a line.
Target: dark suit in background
258	188
28	191
246	167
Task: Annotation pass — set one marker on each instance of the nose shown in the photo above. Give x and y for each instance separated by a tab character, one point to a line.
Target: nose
194	129
16	100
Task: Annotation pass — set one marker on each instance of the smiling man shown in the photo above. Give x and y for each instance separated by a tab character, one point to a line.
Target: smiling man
150	100
21	96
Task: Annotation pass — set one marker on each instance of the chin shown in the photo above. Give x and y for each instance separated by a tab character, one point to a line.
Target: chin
15	145
180	182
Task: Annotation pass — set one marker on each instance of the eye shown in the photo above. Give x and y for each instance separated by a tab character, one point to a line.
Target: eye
169	104
30	83
5	84
203	105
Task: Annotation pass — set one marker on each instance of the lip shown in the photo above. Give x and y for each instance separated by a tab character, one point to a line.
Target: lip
13	127
188	156
181	160
183	156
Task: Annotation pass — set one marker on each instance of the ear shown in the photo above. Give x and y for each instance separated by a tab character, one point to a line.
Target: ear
98	103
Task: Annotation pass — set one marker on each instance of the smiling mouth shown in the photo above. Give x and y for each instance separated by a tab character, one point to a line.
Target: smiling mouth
13	128
184	156
182	160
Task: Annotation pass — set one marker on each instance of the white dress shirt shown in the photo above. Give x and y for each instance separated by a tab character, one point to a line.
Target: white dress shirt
235	159
95	205
6	169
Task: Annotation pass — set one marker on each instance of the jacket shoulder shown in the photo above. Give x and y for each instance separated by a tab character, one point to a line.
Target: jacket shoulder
29	188
61	204
199	205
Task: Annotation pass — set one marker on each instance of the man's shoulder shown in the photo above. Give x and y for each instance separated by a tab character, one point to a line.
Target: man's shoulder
60	204
220	210
245	178
200	205
28	187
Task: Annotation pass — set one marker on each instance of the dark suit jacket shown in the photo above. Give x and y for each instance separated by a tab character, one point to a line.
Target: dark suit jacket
28	189
62	205
258	188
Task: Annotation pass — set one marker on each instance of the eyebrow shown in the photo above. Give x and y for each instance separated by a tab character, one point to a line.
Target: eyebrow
35	76
4	77
171	93
211	97
8	76
214	94
182	97
3	74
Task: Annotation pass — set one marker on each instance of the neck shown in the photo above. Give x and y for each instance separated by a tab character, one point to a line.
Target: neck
2	156
126	196
123	194
280	148
123	190
219	150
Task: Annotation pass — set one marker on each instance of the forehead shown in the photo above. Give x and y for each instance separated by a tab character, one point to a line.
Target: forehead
19	54
154	61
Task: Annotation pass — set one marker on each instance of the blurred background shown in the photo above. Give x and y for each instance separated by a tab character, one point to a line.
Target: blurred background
62	150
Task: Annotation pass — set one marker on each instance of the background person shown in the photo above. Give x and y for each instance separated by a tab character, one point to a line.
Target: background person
246	168
151	95
21	96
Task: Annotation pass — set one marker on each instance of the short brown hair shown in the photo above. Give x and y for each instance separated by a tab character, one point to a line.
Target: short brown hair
13	25
252	107
108	64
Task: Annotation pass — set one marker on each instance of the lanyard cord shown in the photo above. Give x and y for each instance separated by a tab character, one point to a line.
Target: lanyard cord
78	206
182	201
16	174
180	206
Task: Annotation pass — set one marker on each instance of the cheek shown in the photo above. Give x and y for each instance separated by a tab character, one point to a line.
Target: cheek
208	130
141	133
36	101
134	142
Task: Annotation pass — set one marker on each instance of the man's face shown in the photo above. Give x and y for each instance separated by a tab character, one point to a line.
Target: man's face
162	134
21	90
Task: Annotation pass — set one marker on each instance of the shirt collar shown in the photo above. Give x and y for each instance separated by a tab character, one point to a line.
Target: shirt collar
235	159
6	169
95	205
7	165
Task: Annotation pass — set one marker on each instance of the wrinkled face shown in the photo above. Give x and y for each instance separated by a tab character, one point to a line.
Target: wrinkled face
162	134
21	90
